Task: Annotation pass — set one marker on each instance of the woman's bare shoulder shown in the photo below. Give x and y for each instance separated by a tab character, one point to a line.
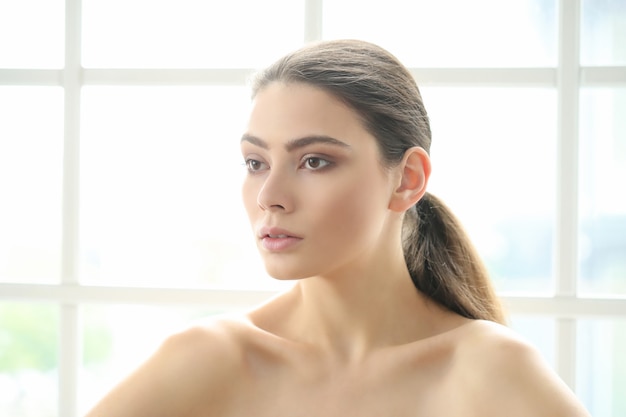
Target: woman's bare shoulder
215	349
500	365
215	335
483	336
192	367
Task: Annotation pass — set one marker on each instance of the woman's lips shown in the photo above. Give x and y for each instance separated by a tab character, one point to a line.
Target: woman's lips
276	239
279	243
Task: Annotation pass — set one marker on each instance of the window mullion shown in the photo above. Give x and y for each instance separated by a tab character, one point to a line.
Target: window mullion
566	247
69	350
603	76
485	77
313	20
12	76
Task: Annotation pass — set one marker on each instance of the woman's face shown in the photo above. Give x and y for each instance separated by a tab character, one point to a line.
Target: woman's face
316	193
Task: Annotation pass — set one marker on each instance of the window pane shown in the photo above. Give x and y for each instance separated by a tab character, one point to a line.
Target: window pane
32	33
31	168
601	367
603	32
28	360
539	332
493	159
111	348
189	33
424	33
602	198
160	188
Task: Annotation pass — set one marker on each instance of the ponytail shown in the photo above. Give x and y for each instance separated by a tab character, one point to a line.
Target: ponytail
443	263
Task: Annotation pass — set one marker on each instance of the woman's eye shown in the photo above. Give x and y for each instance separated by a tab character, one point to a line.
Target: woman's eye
254	165
314	163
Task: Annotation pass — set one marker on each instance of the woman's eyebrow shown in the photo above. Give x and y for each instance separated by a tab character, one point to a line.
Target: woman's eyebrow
254	140
297	143
315	139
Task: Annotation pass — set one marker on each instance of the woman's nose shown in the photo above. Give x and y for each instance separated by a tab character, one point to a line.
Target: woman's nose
276	193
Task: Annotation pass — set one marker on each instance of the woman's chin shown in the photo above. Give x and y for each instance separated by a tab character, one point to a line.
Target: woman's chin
285	274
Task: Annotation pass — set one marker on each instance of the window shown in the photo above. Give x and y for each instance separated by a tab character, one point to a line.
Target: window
119	172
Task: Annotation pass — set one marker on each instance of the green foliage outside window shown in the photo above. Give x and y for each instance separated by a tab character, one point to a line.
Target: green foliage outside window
29	336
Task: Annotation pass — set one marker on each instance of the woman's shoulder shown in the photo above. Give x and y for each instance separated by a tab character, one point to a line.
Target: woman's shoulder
483	335
225	347
217	345
191	367
222	335
216	335
498	350
500	365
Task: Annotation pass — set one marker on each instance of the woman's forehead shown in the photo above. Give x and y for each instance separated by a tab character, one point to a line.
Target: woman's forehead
301	109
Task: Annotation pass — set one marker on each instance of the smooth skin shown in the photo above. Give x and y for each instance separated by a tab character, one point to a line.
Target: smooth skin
352	337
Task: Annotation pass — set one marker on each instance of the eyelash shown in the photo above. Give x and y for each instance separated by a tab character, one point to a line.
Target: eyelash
249	162
308	159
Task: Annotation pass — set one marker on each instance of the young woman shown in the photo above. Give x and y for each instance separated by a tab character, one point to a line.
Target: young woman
391	313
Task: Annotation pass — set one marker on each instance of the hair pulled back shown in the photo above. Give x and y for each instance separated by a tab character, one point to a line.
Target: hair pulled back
441	260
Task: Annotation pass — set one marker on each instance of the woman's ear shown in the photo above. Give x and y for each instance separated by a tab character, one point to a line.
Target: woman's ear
414	172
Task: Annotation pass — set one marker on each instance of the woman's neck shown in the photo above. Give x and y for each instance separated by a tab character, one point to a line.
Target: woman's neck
356	311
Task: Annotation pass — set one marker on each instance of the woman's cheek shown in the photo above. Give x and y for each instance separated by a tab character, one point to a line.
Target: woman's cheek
350	208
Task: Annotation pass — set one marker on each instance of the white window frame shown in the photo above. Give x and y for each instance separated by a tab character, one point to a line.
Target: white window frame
565	307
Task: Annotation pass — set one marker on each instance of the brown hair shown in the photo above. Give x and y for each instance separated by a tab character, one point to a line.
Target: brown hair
440	257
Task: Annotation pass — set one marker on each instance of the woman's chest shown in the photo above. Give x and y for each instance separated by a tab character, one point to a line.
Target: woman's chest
386	389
